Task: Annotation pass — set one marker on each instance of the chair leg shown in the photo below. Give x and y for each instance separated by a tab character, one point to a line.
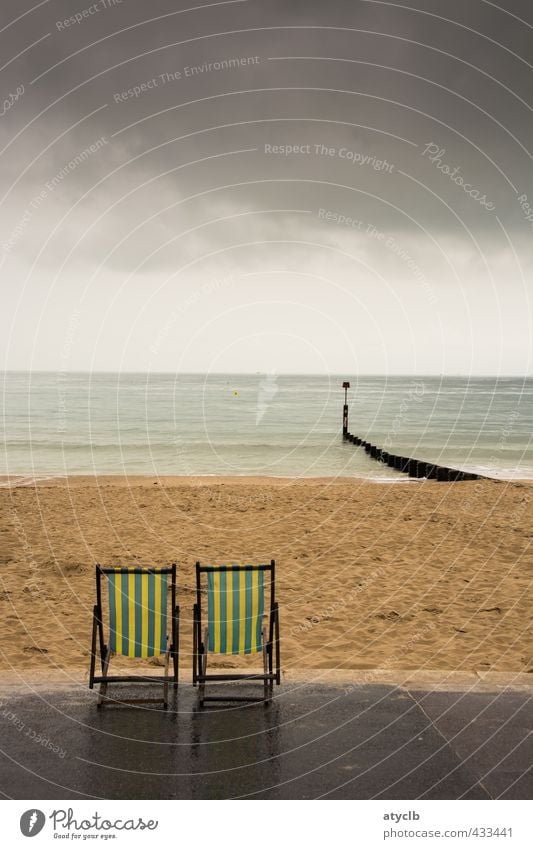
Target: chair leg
266	683
270	655
203	668
196	642
278	664
93	652
165	683
176	647
103	686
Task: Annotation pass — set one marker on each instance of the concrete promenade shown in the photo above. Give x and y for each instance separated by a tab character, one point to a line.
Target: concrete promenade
338	735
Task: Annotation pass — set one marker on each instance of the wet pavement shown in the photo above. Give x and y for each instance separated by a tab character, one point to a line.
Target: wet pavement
314	741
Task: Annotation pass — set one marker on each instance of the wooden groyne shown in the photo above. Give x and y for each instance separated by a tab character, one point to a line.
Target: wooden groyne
408	465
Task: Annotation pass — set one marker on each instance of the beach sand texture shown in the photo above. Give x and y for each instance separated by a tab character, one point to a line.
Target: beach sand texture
415	575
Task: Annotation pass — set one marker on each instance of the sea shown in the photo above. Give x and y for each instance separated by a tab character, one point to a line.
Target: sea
260	424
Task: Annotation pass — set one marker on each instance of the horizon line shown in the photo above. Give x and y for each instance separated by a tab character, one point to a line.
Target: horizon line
277	373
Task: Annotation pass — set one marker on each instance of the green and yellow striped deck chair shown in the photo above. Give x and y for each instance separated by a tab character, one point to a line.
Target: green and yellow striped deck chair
138	618
235	624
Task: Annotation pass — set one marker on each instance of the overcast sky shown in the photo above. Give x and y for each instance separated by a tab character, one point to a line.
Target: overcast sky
292	186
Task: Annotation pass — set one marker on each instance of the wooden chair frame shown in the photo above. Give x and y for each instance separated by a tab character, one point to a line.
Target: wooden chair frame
270	642
98	644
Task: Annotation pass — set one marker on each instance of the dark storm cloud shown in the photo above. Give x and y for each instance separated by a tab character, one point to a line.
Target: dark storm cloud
149	136
420	93
122	59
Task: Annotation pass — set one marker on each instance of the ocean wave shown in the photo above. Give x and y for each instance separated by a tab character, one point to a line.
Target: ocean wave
171	446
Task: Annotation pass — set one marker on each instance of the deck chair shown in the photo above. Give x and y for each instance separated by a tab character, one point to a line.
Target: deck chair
234	625
138	627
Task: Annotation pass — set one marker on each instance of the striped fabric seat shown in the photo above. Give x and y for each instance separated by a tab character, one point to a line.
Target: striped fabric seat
235	607
137	613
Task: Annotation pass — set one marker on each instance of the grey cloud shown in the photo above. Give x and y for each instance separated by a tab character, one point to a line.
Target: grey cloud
380	96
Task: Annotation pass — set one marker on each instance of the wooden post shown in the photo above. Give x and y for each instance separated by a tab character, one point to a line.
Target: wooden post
345	386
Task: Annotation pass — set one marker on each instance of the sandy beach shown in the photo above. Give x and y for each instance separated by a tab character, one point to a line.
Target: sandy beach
414	575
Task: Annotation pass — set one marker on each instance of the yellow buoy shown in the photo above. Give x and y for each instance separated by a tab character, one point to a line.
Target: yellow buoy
235	392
